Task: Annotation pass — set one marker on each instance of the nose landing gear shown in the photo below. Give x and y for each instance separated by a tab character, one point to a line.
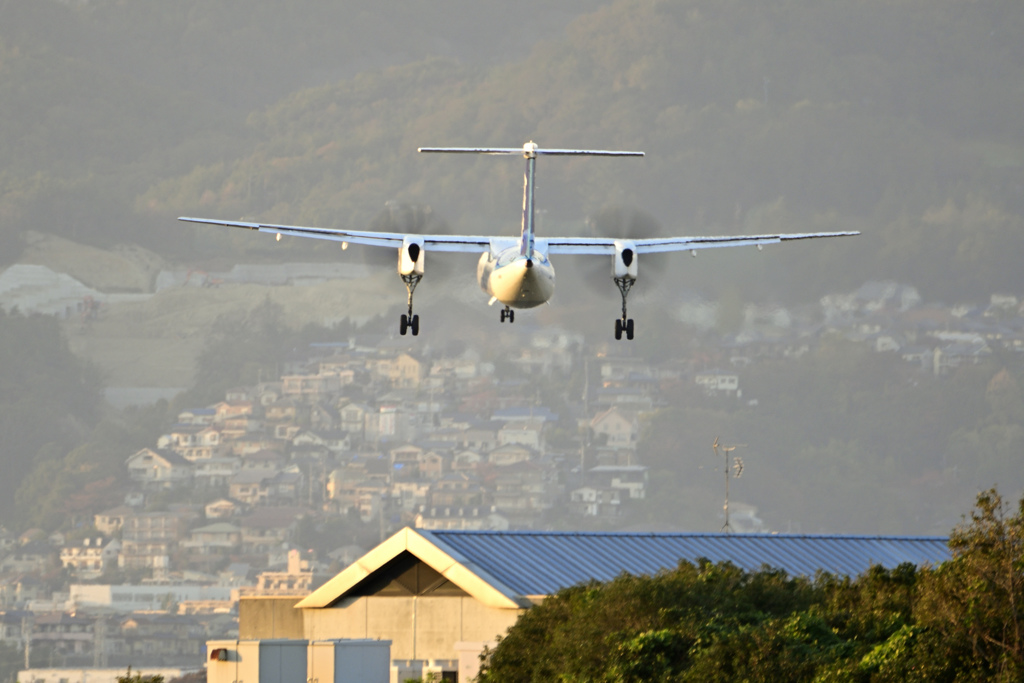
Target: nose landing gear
508	314
625	323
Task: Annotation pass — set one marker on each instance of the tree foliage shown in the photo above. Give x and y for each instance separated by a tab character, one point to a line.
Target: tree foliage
137	677
48	398
959	621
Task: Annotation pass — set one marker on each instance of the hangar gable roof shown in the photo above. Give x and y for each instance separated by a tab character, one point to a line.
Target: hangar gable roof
505	569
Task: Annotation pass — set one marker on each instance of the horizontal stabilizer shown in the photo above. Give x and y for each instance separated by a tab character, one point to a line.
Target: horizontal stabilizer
529	149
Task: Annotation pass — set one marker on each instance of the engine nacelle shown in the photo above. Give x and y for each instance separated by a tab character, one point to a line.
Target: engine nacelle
624	262
411	256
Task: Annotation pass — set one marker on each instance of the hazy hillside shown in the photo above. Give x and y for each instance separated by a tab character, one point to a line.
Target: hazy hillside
883	116
900	118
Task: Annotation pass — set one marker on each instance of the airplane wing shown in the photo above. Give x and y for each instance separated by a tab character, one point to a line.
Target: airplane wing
606	245
456	243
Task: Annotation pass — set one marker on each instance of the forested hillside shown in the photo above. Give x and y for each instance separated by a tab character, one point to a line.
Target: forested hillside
48	398
897	118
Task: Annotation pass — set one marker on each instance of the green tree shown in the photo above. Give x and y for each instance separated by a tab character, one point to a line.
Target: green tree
137	677
975	602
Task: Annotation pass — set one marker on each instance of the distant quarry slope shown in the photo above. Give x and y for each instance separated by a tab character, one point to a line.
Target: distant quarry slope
153	338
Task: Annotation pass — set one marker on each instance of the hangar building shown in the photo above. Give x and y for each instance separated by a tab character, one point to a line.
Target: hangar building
442	595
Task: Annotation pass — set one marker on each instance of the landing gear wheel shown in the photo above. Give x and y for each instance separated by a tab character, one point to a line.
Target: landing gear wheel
410	321
508	314
624	324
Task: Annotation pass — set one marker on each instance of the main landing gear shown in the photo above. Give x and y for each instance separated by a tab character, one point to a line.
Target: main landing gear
508	314
410	322
625	323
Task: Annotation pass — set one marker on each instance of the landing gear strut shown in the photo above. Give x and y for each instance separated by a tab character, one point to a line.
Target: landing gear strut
508	314
625	323
410	322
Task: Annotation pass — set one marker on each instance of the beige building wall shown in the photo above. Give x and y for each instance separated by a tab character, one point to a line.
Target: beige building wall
418	627
269	617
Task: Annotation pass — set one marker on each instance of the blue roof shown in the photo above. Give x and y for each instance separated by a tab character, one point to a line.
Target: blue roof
541	563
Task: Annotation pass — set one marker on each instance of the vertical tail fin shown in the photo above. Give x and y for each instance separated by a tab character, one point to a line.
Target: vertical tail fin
526	237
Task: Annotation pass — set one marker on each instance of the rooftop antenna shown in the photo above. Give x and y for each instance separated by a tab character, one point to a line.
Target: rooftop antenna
737	466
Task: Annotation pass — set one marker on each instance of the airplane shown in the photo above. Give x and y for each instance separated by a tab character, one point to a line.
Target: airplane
517	272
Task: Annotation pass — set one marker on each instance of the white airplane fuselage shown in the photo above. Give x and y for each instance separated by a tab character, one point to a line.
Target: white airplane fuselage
514	279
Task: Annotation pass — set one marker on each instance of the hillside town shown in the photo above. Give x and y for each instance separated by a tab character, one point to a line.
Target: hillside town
373	432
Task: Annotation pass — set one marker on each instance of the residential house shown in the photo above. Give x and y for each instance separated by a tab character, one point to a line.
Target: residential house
589	501
528	433
285	410
215	472
33	557
460	519
164	638
716	383
632	398
318	445
268	393
145	554
159	468
212	539
616	371
524	491
166	526
310	388
615	428
229	409
263	460
365	497
510	454
250	443
408	455
197	416
521	413
410	494
223	508
193	441
90	557
66	634
434	465
251	486
457	489
238	426
466	461
265	529
324	417
286	431
19	589
631	479
353	418
110	521
12	627
266	486
404	371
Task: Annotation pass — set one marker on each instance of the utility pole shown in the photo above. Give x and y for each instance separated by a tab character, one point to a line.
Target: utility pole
99	647
738	466
585	431
26	635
